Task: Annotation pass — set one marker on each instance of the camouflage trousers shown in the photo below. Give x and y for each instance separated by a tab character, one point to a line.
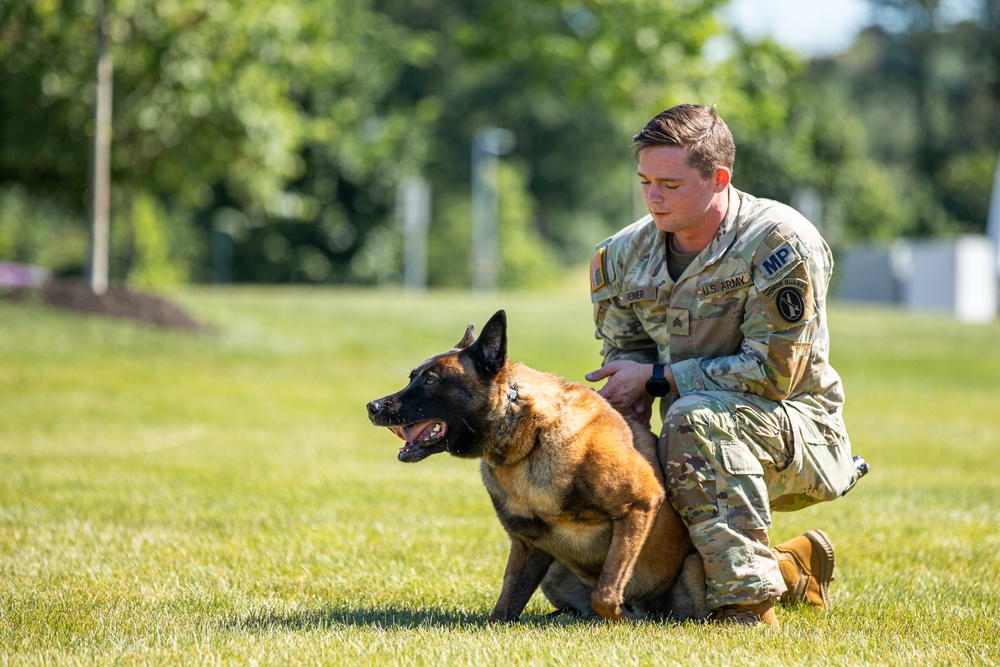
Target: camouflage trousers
731	458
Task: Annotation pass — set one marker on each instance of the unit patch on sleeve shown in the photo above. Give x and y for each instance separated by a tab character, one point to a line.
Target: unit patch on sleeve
789	302
782	257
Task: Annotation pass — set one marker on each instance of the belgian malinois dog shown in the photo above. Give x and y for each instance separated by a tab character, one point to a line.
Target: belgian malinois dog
577	488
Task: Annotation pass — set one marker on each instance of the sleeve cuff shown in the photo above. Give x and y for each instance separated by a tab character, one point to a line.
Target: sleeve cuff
688	376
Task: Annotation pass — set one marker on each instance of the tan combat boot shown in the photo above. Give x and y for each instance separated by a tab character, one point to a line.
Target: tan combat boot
760	614
806	565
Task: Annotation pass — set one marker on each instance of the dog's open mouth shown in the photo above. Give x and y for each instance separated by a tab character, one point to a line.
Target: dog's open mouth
422	439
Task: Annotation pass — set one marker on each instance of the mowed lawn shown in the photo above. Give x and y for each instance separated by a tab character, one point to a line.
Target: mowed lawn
176	498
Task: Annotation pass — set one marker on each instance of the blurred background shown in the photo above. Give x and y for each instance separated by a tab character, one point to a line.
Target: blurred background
390	142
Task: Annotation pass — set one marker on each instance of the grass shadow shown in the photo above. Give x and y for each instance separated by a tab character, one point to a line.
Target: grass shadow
392	617
383	617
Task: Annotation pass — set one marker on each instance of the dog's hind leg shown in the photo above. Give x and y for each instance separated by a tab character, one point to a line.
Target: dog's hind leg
565	591
687	597
526	566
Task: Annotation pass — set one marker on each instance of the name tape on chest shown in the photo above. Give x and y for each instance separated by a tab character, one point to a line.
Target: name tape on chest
724	285
636	294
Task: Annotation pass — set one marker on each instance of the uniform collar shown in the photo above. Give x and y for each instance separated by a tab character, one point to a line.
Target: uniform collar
727	232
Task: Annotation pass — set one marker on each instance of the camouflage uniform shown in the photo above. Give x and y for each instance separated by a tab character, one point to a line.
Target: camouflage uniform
757	423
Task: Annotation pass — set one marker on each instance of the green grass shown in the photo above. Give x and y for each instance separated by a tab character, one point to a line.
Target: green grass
176	498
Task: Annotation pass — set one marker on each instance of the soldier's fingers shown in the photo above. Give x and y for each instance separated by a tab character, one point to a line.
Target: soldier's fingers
601	373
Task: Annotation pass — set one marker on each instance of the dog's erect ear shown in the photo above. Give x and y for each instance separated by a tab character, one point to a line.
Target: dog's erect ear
493	342
468	339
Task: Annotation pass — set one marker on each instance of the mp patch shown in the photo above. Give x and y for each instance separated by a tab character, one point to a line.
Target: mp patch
782	257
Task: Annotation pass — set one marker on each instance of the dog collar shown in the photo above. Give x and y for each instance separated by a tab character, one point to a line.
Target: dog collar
511	400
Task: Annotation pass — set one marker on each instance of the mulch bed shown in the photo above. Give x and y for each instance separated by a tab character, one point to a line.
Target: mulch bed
76	296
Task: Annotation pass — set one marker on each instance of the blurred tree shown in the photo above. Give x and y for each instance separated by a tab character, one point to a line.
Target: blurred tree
214	102
926	89
571	79
285	128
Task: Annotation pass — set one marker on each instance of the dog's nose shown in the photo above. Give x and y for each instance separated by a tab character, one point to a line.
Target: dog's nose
374	408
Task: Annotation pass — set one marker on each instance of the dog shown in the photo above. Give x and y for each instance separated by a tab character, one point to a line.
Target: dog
577	488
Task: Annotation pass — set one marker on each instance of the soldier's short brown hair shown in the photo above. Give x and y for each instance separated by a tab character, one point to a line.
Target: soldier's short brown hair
695	128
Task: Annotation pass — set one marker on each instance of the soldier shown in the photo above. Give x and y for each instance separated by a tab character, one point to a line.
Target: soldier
715	303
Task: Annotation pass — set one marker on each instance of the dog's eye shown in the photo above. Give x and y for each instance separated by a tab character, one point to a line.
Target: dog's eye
430	380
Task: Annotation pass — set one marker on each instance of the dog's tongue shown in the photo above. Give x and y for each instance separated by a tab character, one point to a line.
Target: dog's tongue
422	440
415	432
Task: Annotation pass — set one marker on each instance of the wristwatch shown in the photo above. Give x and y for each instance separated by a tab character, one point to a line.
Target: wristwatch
658	385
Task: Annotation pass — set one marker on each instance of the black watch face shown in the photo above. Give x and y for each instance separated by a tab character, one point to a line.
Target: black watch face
657	387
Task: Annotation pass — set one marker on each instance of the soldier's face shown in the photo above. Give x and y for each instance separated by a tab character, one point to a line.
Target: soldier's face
677	196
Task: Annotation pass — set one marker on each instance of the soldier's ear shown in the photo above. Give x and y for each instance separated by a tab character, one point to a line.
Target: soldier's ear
723	176
492	344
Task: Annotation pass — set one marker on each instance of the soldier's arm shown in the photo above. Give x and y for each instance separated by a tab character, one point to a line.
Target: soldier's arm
780	327
617	326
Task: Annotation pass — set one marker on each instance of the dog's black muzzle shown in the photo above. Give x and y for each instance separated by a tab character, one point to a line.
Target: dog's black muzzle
377	410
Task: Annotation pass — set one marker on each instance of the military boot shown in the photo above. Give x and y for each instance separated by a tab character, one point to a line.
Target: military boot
806	565
760	614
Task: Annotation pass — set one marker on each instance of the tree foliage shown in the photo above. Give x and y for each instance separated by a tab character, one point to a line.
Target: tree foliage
283	129
925	90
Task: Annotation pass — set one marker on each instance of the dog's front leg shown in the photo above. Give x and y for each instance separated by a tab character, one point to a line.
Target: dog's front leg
629	535
526	567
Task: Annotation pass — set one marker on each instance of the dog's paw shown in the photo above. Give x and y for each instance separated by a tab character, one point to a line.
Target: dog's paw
611	609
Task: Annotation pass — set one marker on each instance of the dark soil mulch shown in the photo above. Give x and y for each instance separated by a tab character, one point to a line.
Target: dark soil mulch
76	296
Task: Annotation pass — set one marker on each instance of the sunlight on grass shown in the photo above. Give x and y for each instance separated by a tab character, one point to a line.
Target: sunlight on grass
221	497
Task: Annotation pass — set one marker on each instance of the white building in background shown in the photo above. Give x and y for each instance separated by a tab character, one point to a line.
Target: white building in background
950	276
960	276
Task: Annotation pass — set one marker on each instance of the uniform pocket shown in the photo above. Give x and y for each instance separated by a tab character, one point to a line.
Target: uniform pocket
740	487
736	459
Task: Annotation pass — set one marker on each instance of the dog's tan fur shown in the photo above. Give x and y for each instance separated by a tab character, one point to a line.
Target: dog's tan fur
577	488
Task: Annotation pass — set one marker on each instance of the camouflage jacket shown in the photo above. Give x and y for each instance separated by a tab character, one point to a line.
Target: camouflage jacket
748	314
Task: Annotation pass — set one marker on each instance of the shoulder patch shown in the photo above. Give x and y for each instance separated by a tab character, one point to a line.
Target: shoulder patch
602	269
781	257
789	302
598	276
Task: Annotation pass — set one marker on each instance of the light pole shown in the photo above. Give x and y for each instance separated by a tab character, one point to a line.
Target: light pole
413	210
993	221
100	177
488	144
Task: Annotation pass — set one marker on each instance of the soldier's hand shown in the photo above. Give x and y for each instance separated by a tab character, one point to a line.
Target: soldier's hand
625	388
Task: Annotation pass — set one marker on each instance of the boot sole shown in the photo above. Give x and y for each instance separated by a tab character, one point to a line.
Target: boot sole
822	545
